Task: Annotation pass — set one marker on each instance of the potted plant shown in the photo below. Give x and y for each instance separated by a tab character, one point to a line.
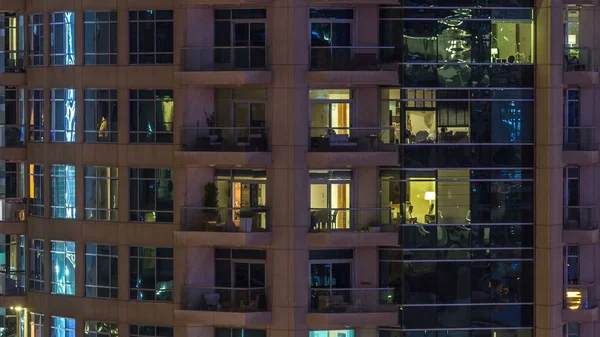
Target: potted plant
246	216
211	202
211	122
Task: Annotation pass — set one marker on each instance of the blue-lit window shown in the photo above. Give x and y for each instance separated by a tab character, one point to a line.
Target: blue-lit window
151	114
101	271
36	190
62	327
100	31
151	37
150	274
62	39
63	116
36	40
101	329
239	332
63	191
36	264
150	195
331	333
63	267
36	324
150	331
36	115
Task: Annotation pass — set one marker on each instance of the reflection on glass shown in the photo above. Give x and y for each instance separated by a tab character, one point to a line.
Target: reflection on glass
63	267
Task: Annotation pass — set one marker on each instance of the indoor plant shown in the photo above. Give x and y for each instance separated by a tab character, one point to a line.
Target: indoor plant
211	202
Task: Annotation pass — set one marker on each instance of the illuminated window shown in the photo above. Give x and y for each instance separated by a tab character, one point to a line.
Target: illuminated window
36	40
150	274
36	189
63	115
62	327
36	264
101	193
63	191
150	331
151	37
100	115
100	31
63	267
62	39
101	271
572	330
238	332
330	199
150	195
36	115
36	324
151	116
331	333
101	329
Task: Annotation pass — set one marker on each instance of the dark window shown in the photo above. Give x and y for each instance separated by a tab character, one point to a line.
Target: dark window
150	195
36	39
100	31
238	332
151	274
150	331
151	114
101	271
36	264
100	115
36	118
151	37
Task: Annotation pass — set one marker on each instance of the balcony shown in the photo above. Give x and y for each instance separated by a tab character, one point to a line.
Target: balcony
224	227
578	67
224	66
12	213
579	225
580	304
225	146
340	145
579	146
223	306
352	307
349	66
350	227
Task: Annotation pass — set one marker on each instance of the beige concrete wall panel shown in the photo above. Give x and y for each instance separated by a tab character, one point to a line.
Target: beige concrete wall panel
155	156
549	277
98	154
549	184
10	227
352	78
147	4
147	77
13	154
13	79
62	5
366	32
146	234
33	6
222	159
99	5
549	236
576	237
36	78
146	313
12	5
63	77
106	232
223	78
100	77
581	316
99	310
62	229
35	228
54	153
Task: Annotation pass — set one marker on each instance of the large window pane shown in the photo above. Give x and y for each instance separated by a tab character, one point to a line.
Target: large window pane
62	39
100	31
151	37
63	267
63	191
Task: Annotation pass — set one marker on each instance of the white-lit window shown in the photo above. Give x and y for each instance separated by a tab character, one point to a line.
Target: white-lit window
62	39
63	115
63	267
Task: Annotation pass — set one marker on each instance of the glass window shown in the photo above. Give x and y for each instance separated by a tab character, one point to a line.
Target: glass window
12	254
571	253
36	39
36	189
36	264
330	114
151	37
12	188
241	108
150	331
100	115
572	329
36	115
244	29
239	332
36	324
101	329
63	115
150	195
330	199
62	326
240	268
331	333
331	35
101	193
63	191
12	117
101	271
151	114
62	39
150	274
63	267
100	31
8	322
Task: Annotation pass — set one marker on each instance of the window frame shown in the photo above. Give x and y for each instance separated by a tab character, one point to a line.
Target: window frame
64	330
36	265
68	21
55	256
95	135
88	332
35	55
134	46
136	131
69	103
112	27
135	181
113	256
91	213
139	257
36	324
136	327
36	205
66	178
36	113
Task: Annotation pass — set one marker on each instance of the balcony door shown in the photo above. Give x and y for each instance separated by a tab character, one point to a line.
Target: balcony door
330	112
240	38
330	202
330	34
330	283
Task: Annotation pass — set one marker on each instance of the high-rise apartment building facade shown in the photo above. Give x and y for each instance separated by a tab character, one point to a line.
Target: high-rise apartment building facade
306	168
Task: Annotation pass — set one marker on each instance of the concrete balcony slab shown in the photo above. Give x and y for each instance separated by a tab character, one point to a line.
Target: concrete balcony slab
222	239
223	78
221	318
581	316
351	239
581	237
352	78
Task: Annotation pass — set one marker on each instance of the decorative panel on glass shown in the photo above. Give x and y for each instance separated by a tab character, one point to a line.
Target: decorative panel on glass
62	39
63	267
63	106
63	191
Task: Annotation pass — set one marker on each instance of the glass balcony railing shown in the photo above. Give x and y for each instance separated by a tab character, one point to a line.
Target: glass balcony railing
349	219
349	58
12	136
580	297
579	218
359	300
223	299
579	139
229	139
227	58
352	139
13	61
225	219
12	283
578	59
12	210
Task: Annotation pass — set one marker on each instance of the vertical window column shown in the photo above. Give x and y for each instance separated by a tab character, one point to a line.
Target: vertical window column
36	264
63	115
62	39
151	37
63	267
36	190
36	115
100	35
63	191
36	40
